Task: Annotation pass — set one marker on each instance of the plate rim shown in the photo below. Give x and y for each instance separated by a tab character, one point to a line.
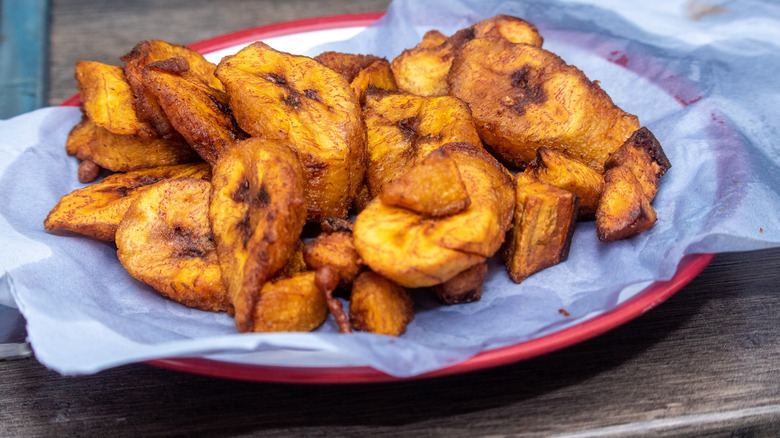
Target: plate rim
650	297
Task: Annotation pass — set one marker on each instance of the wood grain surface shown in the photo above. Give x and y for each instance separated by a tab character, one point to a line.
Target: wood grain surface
704	363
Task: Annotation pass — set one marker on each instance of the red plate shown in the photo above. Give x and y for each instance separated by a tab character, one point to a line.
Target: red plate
650	297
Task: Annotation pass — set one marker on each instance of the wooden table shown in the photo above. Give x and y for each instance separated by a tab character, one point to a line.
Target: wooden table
704	363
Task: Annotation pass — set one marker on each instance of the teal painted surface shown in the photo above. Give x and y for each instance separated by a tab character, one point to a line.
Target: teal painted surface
24	40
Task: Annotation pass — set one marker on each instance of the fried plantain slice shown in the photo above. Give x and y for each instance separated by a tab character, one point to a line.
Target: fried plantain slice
165	240
432	188
378	305
147	52
423	69
346	64
97	209
197	111
466	287
124	153
337	250
523	97
377	75
419	251
555	168
544	221
403	129
361	71
257	212
293	304
644	156
281	96
624	210
107	98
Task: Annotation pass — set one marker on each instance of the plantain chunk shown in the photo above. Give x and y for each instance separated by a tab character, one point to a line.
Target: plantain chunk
644	156
432	188
293	304
361	71
164	240
544	222
378	305
147	52
281	96
197	111
465	287
555	168
423	69
524	97
124	153
257	212
419	251
624	210
403	129
97	209
107	99
338	251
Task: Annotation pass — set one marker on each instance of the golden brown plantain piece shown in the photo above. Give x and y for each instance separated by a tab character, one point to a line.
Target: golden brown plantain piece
403	129
361	71
147	52
432	188
644	156
423	69
293	304
544	222
197	111
418	251
96	210
346	64
466	287
378	305
164	240
257	213
624	210
107	99
523	97
338	251
124	153
555	168
281	96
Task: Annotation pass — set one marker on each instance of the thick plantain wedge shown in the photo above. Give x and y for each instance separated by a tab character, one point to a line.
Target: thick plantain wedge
107	99
147	52
644	156
164	240
293	304
257	212
403	129
378	305
422	70
555	168
124	153
544	222
624	210
199	112
415	250
96	210
432	188
281	96
524	97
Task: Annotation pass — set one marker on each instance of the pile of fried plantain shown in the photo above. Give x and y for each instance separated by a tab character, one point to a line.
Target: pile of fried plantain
274	186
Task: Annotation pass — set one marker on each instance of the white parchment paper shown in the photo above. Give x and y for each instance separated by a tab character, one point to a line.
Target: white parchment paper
706	86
